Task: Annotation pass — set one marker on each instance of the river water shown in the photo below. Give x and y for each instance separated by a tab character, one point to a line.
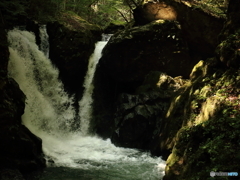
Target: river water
71	154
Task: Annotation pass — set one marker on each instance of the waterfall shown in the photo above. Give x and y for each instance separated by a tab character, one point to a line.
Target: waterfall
38	79
49	114
106	37
85	104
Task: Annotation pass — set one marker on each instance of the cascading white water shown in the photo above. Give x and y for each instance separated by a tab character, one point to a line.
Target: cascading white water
49	114
85	104
38	79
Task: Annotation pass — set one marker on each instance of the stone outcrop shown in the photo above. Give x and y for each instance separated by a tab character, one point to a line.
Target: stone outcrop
72	41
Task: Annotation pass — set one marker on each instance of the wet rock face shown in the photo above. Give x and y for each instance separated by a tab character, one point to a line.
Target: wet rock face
138	117
70	49
20	149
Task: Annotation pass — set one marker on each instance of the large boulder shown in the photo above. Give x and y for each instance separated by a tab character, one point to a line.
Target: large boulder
131	54
202	36
139	117
150	11
128	57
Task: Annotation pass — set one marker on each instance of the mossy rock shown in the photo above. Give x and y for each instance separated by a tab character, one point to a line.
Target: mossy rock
209	137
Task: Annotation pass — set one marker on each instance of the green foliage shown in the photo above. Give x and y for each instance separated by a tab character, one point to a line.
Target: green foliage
10	10
15	7
15	10
214	7
99	12
211	146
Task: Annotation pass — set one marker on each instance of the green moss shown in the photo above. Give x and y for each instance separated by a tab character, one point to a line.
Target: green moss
228	50
74	22
209	139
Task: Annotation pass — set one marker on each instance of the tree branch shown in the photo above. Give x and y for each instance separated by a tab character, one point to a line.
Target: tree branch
122	15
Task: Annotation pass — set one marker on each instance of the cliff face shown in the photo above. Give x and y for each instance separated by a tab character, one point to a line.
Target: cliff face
20	150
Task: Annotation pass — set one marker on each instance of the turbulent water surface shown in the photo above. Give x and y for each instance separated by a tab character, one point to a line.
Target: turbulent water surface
71	154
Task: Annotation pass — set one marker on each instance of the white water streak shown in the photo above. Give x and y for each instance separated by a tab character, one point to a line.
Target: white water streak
85	111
